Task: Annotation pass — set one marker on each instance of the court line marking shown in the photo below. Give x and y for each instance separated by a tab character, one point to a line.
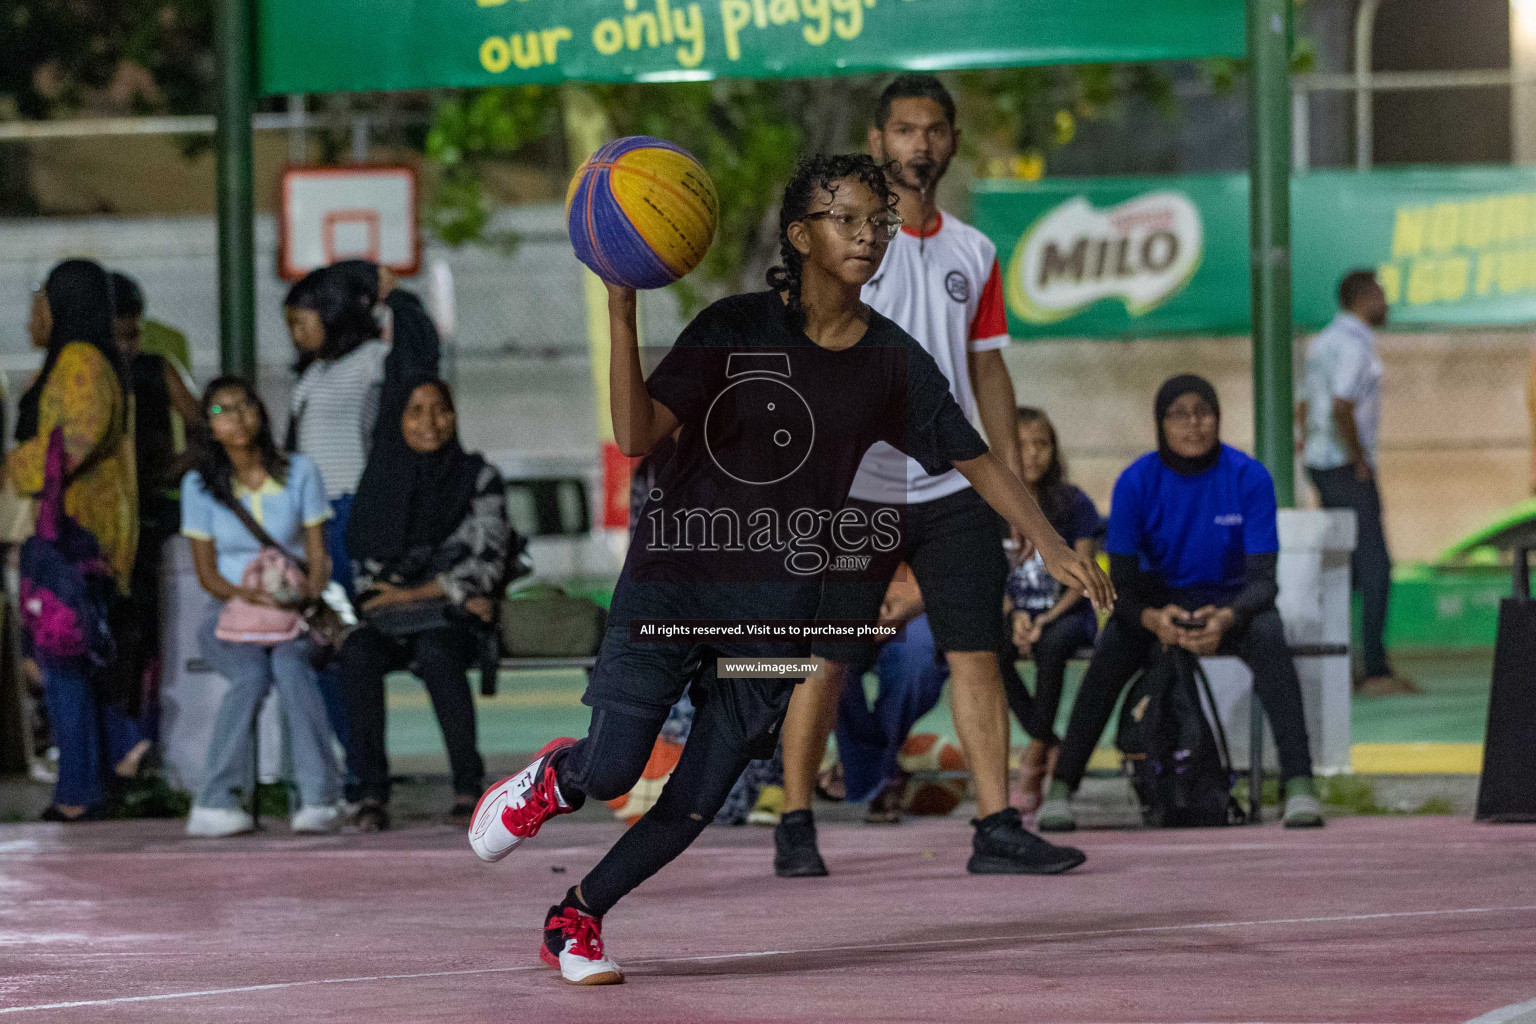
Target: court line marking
330	847
1508	1014
847	948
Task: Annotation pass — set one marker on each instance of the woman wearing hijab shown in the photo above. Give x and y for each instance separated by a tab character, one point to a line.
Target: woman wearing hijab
414	346
81	392
1193	545
429	537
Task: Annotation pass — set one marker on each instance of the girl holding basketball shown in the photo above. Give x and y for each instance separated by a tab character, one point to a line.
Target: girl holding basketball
778	394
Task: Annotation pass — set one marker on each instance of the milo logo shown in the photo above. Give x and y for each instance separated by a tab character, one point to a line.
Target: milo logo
1141	252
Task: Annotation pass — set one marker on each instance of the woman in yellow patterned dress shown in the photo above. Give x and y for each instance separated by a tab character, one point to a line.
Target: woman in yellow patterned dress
80	391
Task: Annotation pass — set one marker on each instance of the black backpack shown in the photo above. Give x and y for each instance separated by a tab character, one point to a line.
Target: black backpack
1178	764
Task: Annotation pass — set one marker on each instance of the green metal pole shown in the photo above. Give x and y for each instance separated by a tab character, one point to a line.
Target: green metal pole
1269	169
237	242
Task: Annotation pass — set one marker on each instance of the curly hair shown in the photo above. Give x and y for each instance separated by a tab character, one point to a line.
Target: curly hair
813	175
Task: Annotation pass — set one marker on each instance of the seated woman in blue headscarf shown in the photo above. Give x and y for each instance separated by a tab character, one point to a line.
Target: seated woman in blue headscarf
1193	548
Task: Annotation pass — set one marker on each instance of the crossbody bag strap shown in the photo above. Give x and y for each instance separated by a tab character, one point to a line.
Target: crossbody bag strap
262	536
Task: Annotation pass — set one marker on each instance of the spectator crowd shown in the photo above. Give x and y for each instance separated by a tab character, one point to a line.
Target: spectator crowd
370	507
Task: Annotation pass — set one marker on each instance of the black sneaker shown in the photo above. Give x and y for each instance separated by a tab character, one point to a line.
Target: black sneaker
1003	846
794	847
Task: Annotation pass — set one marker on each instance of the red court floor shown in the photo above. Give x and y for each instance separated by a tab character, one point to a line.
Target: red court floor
1389	920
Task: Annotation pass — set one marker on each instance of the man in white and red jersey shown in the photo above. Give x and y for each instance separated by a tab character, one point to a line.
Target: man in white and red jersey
941	283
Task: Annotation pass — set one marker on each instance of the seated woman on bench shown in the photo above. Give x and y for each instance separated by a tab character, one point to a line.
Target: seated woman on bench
429	537
1193	547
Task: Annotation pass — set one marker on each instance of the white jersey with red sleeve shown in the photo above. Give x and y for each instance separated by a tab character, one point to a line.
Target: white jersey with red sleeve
946	290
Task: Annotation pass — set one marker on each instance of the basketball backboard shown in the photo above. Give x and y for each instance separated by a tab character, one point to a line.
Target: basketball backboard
338	213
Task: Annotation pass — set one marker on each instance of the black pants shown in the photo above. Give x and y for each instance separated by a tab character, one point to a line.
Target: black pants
731	722
442	658
1371	565
1059	640
1122	650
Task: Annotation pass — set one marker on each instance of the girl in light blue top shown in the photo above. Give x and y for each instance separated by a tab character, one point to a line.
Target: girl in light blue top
286	497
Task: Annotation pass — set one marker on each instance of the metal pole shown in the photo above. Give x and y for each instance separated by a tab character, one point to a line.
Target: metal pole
237	242
1256	758
1269	170
360	139
298	145
1301	131
1365	34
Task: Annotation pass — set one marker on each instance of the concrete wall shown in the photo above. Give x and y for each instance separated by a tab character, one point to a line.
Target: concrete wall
519	356
1454	438
1455	435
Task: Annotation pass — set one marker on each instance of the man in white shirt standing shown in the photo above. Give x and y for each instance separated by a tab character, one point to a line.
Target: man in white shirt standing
940	282
1341	413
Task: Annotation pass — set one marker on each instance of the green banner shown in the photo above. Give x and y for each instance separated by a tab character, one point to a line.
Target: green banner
1123	257
359	45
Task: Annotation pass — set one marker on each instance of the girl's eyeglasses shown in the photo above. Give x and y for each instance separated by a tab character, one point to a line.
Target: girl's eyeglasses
237	406
847	225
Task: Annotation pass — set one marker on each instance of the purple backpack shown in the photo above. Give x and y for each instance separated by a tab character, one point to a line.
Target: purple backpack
66	585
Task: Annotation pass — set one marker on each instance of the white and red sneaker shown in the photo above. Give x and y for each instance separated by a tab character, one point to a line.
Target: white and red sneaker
516	807
573	945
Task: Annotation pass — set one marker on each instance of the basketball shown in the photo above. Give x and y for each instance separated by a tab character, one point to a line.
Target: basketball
641	212
937	767
658	769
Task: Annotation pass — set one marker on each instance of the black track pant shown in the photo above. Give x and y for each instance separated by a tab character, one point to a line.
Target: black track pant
1122	650
608	762
1059	641
442	657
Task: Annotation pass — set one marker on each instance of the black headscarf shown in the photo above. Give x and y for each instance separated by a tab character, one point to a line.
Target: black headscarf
80	299
1172	390
409	502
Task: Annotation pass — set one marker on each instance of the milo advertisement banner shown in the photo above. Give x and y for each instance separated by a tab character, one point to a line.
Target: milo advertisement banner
1121	257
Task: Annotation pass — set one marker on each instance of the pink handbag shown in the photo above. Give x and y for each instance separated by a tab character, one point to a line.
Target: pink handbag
242	622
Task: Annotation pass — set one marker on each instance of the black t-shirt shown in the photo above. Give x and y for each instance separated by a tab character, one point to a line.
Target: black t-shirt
749	511
154	441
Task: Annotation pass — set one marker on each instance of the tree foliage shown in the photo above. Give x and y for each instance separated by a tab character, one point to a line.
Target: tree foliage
469	129
142	56
750	134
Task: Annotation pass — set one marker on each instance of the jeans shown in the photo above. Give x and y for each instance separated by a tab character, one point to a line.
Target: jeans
912	675
252	670
1371	565
336	541
332	689
1123	650
442	658
92	735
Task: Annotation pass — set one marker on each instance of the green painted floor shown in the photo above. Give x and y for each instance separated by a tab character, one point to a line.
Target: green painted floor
533	707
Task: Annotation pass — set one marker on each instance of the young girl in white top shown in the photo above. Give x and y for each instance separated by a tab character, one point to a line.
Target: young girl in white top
341	373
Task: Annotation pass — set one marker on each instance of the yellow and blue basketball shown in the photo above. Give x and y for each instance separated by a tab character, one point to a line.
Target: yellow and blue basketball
641	212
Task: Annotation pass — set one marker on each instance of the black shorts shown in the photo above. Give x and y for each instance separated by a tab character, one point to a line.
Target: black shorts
645	678
954	545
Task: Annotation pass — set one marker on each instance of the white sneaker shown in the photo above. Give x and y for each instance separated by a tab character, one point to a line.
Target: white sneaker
573	943
318	820
219	822
516	807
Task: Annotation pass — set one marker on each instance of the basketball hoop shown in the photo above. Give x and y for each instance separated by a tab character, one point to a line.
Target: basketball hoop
339	213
